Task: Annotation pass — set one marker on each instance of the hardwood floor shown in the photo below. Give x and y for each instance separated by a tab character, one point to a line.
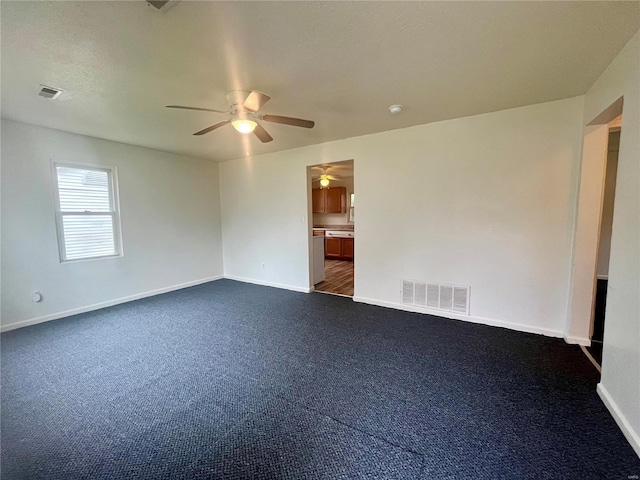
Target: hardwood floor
338	277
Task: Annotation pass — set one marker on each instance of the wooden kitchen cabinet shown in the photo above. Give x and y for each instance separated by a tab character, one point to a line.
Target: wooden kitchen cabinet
335	200
329	200
333	248
347	248
338	248
318	200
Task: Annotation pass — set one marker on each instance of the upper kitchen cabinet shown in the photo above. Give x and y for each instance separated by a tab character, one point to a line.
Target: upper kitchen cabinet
336	200
317	198
329	200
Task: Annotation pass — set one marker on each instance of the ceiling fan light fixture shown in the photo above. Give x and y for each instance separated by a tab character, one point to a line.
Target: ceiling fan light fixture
244	125
324	181
243	108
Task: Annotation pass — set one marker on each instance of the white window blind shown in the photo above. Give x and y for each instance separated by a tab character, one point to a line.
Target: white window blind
87	216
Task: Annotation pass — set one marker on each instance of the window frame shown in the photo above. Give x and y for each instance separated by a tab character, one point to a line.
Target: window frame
114	212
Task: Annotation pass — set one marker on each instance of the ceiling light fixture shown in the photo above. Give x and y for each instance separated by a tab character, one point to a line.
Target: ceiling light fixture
243	123
244	126
324	181
395	109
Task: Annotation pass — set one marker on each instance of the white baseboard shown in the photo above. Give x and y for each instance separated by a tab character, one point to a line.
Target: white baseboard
521	327
270	284
108	303
578	340
630	434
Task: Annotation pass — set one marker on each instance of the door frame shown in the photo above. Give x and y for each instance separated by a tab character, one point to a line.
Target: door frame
588	222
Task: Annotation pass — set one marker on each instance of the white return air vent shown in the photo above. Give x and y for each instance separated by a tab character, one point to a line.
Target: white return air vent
49	92
438	296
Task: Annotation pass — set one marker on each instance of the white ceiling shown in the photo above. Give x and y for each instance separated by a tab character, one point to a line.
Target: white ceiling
341	64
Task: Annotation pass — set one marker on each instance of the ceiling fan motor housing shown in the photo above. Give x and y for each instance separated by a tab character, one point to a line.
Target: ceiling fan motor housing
236	98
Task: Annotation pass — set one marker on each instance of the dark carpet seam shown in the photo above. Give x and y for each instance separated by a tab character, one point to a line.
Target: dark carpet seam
422	465
362	431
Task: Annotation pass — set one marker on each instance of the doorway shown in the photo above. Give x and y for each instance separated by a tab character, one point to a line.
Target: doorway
593	228
333	228
604	241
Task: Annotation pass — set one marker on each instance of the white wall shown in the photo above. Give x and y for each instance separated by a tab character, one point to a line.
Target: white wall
265	227
485	201
620	382
170	218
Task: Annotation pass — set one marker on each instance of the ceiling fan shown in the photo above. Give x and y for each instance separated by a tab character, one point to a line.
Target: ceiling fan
324	178
243	108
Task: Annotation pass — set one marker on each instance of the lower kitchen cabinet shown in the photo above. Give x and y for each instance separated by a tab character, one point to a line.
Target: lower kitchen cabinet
338	248
333	248
347	248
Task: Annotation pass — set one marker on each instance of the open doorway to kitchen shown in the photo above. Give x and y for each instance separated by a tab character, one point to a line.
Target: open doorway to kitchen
333	227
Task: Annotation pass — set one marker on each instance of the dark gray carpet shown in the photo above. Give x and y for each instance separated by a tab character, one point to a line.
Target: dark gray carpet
229	380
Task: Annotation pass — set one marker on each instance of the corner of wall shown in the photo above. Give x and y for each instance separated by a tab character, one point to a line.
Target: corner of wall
625	426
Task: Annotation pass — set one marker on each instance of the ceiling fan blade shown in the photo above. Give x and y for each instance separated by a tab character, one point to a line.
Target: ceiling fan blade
255	101
213	127
262	134
296	122
197	108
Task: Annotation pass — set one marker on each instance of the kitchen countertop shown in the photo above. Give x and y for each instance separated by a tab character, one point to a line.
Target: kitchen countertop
334	227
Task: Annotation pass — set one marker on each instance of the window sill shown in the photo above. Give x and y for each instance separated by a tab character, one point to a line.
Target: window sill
92	259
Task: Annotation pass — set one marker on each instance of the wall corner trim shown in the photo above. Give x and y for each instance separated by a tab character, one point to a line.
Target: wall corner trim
577	340
632	436
492	322
108	303
269	284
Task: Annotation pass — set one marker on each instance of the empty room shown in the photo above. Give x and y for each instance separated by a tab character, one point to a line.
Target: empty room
320	240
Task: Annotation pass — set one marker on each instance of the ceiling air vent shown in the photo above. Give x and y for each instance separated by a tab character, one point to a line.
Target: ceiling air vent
162	5
437	296
49	92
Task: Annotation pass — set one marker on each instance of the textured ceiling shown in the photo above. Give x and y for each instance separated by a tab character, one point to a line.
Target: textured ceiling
340	64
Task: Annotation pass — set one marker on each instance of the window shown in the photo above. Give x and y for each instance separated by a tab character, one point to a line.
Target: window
352	208
86	212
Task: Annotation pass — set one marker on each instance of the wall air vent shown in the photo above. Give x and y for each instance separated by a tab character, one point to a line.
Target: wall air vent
407	292
49	92
437	296
162	5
